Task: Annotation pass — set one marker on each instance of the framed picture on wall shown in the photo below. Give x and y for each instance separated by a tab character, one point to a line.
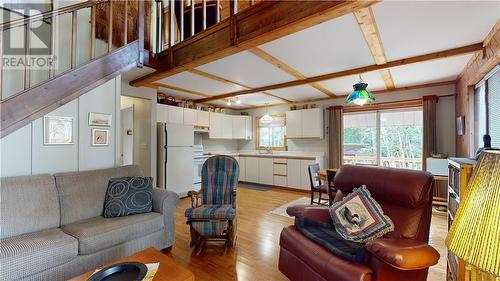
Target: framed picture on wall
100	119
100	137
58	130
461	125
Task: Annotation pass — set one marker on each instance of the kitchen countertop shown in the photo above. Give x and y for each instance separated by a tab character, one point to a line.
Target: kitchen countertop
274	154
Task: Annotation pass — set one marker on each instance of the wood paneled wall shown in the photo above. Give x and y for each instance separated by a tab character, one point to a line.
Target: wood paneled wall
479	65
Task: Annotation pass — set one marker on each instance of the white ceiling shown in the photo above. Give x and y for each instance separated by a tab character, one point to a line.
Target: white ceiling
410	28
407	28
331	46
430	71
297	93
247	69
343	85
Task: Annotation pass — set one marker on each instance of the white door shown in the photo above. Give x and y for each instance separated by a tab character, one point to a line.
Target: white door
127	135
293	173
266	175
189	116
252	169
294	124
179	176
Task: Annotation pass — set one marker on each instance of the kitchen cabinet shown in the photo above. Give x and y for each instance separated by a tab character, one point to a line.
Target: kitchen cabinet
175	114
189	116
305	182
161	113
242	127
202	118
266	175
216	125
227	126
293	173
294	124
305	123
252	169
242	164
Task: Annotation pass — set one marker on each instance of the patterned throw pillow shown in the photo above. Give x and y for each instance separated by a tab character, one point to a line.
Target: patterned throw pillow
128	196
359	218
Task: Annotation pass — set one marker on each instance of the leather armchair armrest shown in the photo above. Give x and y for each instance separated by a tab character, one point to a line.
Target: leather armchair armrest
316	213
403	254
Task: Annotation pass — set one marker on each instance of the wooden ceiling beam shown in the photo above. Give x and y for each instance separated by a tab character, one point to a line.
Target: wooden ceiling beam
427	57
288	69
369	28
229	82
262	23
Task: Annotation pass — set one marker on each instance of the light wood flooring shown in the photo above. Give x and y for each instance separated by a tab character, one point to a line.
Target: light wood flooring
256	254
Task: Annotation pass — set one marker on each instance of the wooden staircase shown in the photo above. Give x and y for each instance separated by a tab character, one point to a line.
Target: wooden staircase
23	107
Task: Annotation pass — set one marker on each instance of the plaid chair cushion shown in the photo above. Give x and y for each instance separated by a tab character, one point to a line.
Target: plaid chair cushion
210	228
211	212
219	179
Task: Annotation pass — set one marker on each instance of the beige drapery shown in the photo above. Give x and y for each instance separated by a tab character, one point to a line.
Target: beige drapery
335	136
429	104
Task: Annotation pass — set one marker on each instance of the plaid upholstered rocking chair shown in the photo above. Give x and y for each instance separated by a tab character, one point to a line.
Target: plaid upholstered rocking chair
213	213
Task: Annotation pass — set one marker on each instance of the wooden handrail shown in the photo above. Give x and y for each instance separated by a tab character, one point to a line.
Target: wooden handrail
49	14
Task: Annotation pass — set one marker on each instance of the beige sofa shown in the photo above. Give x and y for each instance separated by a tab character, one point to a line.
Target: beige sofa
52	226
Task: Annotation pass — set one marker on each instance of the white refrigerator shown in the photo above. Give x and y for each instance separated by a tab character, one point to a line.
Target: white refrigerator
175	157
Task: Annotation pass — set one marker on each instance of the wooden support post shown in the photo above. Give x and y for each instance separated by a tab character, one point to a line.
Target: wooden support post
125	24
158	27
204	16
27	51
182	20
252	2
192	17
140	33
171	15
110	26
92	32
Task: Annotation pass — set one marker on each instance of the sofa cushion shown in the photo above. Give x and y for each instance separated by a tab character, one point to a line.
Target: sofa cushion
30	253
99	233
81	194
28	204
128	196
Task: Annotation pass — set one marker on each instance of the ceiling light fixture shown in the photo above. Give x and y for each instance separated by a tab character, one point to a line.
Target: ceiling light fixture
266	119
238	100
360	96
228	102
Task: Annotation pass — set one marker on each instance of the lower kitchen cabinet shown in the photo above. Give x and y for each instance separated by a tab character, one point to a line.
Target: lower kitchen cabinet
252	169
266	174
305	182
293	173
242	164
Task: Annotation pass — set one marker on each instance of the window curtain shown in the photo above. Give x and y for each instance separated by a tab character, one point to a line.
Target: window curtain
429	116
335	136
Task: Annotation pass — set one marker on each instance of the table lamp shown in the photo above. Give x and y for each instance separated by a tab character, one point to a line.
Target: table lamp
474	235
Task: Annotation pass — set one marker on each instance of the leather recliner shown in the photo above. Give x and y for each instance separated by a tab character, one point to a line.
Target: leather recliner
403	254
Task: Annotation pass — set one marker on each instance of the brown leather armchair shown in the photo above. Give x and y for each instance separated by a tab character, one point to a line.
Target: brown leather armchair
405	196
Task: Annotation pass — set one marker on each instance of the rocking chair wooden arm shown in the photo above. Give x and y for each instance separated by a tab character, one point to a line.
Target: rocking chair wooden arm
195	198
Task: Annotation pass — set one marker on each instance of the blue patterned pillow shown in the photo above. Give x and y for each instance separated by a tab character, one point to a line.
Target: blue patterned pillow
359	218
128	196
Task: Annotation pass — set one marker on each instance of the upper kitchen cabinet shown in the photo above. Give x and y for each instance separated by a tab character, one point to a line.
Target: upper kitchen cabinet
305	123
221	126
242	127
169	114
202	118
161	113
190	116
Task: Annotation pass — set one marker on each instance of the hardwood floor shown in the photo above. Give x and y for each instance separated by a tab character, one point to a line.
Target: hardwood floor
256	254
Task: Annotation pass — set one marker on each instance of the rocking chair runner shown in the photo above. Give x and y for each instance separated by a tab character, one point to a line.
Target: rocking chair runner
213	212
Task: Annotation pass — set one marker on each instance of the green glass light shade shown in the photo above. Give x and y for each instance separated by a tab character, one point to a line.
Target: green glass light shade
360	95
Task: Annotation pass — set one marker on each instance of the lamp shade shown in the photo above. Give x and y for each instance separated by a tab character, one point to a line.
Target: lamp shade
474	235
360	95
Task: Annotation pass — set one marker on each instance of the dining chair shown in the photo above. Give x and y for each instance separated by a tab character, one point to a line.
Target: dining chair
317	186
330	175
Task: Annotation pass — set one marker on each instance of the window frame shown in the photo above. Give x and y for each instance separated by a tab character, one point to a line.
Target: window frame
257	135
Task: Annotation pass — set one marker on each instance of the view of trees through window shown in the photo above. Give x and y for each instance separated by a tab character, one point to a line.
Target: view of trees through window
272	134
390	138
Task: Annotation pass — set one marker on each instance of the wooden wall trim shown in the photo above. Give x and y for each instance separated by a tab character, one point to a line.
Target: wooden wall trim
23	108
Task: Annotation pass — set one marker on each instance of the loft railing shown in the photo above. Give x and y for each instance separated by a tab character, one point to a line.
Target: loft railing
178	20
109	25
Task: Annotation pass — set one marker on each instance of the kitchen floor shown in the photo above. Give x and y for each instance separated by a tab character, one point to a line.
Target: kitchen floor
257	251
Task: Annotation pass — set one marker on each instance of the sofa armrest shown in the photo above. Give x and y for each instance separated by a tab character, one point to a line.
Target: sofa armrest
403	254
165	202
315	213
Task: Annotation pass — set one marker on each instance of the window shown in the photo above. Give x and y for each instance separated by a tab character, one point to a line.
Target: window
487	109
271	135
390	138
479	115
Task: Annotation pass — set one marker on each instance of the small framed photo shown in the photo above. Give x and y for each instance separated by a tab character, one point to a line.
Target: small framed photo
100	137
461	125
100	119
58	130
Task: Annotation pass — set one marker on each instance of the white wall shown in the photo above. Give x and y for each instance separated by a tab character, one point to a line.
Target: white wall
23	151
445	118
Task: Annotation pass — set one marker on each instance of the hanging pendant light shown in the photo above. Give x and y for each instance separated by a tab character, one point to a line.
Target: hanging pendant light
360	95
266	119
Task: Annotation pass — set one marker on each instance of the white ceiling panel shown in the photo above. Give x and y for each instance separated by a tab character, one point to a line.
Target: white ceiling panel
429	72
179	94
247	69
191	81
343	85
259	99
298	93
331	46
410	28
